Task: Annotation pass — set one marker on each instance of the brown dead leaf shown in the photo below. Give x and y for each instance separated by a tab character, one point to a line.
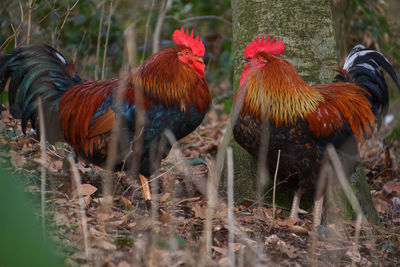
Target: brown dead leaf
103	217
219	250
96	234
381	205
199	211
126	202
123	264
80	255
60	201
104	245
87	200
143	223
223	262
165	218
289	250
16	159
165	197
299	229
56	166
191	199
87	190
392	187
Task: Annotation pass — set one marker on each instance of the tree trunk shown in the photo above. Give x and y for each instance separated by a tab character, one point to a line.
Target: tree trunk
307	30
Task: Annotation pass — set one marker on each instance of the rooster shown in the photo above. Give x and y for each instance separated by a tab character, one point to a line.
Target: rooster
169	87
275	104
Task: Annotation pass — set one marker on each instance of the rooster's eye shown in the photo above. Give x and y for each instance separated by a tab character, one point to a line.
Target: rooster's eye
186	52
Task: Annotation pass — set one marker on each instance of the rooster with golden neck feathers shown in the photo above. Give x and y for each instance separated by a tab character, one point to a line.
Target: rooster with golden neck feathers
300	120
174	93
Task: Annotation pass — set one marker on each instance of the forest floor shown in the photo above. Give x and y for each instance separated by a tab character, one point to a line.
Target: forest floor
175	233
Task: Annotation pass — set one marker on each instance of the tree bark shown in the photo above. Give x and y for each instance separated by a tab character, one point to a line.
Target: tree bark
307	30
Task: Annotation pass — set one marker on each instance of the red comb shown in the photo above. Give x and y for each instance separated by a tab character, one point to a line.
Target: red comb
264	45
195	44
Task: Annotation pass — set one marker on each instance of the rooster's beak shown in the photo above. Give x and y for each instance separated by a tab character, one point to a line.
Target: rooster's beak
198	59
245	60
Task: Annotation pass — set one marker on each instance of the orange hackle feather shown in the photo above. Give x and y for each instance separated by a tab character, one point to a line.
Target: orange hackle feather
281	100
171	82
277	92
164	80
343	102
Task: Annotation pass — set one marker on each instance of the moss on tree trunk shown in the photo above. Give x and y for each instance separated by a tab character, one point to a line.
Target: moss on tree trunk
307	30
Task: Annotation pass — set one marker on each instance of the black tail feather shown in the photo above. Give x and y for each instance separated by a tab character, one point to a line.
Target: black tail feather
35	71
365	68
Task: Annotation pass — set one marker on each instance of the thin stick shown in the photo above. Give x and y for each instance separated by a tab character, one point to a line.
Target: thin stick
147	31
22	17
65	19
231	236
103	69
159	24
184	21
29	23
342	179
98	42
357	236
274	188
43	158
7	42
77	180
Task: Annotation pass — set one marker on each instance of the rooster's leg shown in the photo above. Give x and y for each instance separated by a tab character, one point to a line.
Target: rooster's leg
318	204
294	212
144	183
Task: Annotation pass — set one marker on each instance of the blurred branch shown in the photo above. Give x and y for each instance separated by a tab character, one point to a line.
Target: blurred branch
106	42
65	18
200	18
98	42
160	21
147	30
7	42
130	45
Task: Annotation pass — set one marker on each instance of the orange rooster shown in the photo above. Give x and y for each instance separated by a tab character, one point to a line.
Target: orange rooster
174	96
300	120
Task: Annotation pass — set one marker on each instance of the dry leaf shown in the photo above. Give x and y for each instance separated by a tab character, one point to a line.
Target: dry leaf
126	202
17	160
123	264
165	218
219	250
392	187
191	199
199	211
165	197
87	190
105	245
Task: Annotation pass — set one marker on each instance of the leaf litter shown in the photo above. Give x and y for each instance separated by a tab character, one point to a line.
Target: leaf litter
130	235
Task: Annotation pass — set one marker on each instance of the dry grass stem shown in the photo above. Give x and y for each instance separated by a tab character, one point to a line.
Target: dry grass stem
231	235
28	35
147	30
65	19
159	24
340	174
103	69
43	157
77	181
274	187
96	69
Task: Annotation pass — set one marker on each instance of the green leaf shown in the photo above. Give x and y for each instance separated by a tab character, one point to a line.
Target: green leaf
4	97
